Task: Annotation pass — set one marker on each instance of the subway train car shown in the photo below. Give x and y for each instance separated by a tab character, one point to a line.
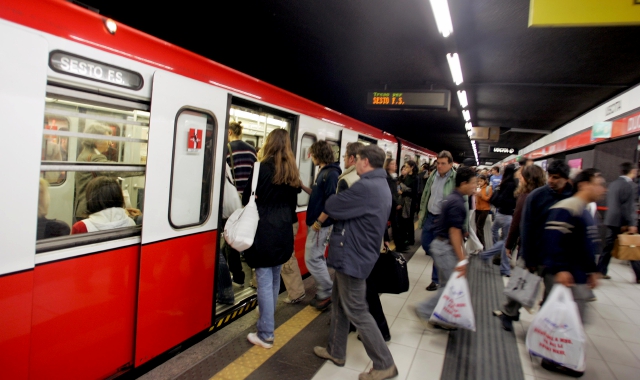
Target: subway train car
88	97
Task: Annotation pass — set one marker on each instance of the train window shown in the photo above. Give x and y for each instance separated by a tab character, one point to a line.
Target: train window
306	167
335	147
192	170
92	146
257	124
367	140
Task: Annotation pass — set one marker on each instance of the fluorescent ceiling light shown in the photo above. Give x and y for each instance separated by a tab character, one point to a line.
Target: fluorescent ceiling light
468	126
443	16
456	69
462	97
467	115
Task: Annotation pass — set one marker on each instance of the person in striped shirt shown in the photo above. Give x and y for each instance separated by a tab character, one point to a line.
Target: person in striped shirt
240	156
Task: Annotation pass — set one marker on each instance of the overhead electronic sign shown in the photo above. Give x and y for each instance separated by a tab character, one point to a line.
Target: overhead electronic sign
496	149
75	65
426	99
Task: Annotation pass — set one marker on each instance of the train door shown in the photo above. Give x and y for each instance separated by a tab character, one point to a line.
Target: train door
178	254
257	121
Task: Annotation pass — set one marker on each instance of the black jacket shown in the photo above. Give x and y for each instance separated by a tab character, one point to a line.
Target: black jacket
273	244
505	201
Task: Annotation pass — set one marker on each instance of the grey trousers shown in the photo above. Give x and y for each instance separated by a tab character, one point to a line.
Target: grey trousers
445	260
349	304
316	262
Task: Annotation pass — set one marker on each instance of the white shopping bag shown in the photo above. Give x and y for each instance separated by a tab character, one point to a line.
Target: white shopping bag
454	306
556	333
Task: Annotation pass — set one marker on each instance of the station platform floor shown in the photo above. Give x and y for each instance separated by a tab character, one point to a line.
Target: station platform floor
613	330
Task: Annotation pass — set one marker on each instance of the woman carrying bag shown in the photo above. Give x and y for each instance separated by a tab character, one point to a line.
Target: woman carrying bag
276	196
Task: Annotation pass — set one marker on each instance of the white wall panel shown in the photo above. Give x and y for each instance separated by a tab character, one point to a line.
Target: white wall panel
23	79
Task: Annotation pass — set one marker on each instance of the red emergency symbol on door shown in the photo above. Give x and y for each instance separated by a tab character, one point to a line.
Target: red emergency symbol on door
194	143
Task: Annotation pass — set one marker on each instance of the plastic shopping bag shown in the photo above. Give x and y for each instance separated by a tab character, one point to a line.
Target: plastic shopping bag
523	286
556	333
454	306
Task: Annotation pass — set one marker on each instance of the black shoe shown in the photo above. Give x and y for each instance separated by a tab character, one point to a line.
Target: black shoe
497	259
606	277
320	304
507	323
553	367
439	326
432	286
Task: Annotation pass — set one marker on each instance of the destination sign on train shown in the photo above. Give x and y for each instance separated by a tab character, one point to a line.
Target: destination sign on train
87	68
426	99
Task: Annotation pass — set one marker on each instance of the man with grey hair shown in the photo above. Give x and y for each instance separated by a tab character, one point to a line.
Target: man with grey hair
361	214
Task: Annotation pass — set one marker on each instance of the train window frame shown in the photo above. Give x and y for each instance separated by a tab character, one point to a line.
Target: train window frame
62	247
208	178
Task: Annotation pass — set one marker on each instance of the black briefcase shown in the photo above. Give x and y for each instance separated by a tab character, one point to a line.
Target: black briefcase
390	274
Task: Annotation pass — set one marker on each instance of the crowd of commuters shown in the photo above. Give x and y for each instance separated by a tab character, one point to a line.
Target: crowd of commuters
545	219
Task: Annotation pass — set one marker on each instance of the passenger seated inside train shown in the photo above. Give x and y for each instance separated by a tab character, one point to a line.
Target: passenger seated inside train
48	228
93	151
105	204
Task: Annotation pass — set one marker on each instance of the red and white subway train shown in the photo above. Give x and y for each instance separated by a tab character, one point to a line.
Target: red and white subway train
99	304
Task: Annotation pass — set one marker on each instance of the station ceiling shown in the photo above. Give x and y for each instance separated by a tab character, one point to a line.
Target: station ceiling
335	51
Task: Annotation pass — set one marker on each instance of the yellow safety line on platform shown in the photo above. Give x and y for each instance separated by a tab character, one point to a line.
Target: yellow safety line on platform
256	356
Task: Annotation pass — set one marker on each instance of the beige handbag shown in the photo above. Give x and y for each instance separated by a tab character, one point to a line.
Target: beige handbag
627	247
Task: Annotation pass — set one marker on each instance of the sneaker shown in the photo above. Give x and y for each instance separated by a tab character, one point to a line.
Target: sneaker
507	323
253	338
606	277
432	286
322	352
379	374
320	304
296	300
553	367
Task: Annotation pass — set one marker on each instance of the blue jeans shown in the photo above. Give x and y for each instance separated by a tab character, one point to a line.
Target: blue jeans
505	267
268	288
427	238
316	263
503	222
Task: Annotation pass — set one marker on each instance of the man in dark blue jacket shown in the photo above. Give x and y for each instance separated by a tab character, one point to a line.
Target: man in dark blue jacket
570	243
536	211
318	230
361	213
532	225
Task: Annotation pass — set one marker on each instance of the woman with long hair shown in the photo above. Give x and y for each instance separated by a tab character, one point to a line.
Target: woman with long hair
408	189
276	197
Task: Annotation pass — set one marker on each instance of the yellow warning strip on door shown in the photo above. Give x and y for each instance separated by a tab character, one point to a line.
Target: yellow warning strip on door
256	356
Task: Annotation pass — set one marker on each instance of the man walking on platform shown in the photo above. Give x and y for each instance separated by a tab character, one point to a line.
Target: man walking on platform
439	185
446	248
361	214
570	244
532	225
621	216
